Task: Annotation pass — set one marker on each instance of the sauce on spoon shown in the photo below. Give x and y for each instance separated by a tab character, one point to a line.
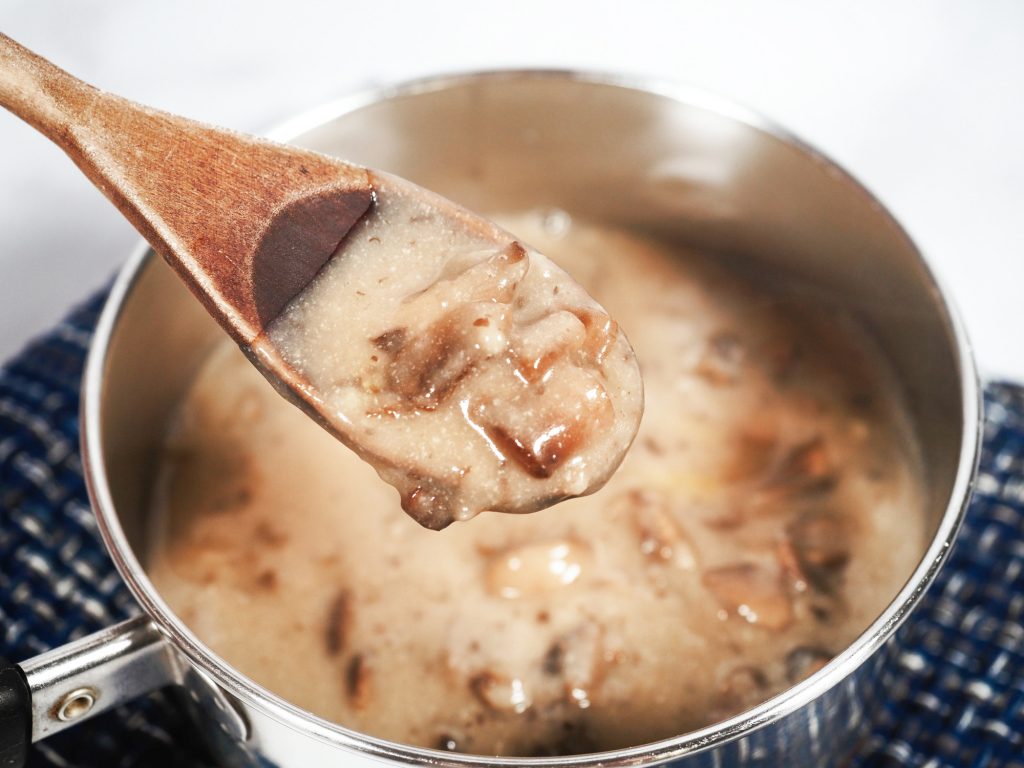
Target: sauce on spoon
468	369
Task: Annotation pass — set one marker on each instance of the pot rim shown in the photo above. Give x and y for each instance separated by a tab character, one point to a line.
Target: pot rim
263	700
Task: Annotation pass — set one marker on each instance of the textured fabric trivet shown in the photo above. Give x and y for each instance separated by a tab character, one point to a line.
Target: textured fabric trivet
959	681
56	581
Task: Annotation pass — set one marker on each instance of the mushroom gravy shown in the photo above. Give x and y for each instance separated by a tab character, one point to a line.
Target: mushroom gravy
770	507
470	371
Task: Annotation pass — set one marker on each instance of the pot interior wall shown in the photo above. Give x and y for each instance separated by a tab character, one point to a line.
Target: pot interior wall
601	152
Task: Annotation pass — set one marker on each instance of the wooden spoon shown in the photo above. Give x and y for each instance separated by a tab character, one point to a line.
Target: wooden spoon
248	225
245	222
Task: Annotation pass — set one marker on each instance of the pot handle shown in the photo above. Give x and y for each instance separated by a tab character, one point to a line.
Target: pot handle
15	715
57	689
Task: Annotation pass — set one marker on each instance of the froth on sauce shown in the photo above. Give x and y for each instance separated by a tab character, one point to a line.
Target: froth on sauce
770	507
467	368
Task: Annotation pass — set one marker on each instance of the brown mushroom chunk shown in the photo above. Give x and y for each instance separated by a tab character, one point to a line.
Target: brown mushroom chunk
430	500
538	450
753	454
536	568
358	679
805	469
820	543
660	536
779	471
425	370
499	693
392	340
539	435
752	592
339	617
578	658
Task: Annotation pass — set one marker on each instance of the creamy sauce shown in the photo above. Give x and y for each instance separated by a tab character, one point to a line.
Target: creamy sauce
469	370
769	509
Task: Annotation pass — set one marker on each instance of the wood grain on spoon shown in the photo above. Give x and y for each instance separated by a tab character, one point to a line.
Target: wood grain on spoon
470	371
245	222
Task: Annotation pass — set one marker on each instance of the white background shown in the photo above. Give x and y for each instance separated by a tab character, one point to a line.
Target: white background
923	101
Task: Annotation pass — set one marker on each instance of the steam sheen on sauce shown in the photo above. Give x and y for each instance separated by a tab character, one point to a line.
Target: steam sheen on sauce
468	369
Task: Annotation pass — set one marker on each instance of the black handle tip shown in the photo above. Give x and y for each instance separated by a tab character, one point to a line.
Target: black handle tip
15	716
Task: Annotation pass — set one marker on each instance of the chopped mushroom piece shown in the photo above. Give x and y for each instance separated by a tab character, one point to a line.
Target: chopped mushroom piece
820	542
358	679
805	469
661	537
499	693
752	592
339	616
536	568
538	439
578	658
753	454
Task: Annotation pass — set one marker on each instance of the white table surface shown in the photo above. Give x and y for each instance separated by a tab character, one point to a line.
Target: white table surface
923	101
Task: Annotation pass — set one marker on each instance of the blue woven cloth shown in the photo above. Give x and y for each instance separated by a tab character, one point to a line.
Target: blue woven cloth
959	684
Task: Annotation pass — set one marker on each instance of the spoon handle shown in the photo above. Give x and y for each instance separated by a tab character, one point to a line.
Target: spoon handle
41	94
245	222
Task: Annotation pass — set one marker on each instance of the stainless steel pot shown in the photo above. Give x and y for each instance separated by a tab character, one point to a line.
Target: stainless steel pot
671	160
